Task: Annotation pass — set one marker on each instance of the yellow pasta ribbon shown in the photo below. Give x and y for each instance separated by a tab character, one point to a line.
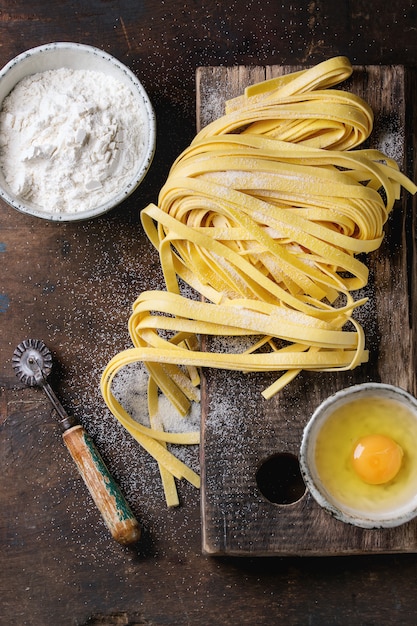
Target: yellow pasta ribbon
264	216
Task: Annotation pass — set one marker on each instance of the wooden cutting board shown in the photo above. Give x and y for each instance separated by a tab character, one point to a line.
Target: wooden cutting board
252	500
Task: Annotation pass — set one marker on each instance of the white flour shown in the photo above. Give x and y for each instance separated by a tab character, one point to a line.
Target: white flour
69	139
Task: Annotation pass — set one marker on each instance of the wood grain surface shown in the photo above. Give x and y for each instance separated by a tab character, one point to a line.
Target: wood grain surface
241	431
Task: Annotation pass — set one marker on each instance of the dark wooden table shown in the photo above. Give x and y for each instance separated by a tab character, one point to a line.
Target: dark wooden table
73	285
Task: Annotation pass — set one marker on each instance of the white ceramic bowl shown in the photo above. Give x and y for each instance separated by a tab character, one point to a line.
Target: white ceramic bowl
79	57
389	514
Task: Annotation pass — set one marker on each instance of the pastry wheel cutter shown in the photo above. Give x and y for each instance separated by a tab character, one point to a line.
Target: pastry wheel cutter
32	362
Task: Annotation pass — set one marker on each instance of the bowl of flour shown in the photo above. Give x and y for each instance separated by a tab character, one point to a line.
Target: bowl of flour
77	132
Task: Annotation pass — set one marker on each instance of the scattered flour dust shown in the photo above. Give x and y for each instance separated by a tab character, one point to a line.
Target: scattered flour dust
70	139
130	388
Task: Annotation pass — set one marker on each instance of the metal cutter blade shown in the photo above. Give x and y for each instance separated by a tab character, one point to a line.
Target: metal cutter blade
32	361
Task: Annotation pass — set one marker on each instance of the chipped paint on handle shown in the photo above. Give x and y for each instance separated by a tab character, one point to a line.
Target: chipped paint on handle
102	486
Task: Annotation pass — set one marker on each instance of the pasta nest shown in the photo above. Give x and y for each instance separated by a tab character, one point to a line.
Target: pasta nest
264	216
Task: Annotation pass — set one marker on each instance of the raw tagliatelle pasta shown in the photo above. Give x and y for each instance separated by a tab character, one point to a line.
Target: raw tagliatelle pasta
263	215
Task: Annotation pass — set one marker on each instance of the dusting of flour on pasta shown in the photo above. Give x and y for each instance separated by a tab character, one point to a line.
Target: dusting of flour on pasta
69	139
130	388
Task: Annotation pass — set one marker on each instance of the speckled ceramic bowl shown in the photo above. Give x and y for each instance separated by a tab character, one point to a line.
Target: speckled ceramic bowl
80	57
399	512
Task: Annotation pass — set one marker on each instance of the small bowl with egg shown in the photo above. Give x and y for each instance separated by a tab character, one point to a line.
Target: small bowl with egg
358	455
77	132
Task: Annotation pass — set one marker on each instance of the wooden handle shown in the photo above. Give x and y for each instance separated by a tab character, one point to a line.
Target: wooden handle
103	488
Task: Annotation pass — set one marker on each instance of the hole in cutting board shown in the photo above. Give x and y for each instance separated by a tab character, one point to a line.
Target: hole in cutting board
279	479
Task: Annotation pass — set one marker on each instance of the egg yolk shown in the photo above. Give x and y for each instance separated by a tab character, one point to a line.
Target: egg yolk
377	459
